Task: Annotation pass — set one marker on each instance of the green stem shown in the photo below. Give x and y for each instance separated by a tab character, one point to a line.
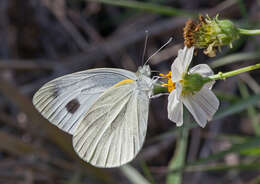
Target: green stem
223	76
178	159
251	111
150	7
249	32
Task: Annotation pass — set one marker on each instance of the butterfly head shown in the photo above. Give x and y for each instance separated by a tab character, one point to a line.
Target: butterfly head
144	70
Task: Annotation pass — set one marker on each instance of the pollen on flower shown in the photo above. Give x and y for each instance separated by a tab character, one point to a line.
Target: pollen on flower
188	31
209	34
170	84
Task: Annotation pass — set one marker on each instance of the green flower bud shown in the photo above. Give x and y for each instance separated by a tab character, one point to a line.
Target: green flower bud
192	83
210	34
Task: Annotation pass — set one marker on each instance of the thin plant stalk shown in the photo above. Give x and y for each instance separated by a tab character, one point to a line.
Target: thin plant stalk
149	7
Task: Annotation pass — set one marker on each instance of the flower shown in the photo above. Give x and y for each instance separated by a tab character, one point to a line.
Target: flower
191	88
210	33
170	84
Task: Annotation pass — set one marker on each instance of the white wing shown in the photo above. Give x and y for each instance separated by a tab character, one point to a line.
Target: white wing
64	101
114	129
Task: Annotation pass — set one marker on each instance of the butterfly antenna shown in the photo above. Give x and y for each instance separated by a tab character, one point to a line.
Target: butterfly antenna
169	41
145	45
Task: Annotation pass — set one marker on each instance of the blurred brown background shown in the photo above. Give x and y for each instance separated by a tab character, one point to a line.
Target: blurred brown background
43	39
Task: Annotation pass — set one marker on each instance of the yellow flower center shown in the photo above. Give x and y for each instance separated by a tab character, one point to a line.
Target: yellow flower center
170	84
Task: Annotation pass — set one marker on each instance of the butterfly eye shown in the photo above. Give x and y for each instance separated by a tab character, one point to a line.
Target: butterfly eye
72	106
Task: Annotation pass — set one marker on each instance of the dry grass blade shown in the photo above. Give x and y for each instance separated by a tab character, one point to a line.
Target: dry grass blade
15	146
62	139
27	65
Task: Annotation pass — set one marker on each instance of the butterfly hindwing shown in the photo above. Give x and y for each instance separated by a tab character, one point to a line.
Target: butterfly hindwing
113	130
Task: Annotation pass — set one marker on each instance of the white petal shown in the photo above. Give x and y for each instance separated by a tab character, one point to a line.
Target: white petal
175	107
198	114
208	100
205	71
203	105
181	63
202	69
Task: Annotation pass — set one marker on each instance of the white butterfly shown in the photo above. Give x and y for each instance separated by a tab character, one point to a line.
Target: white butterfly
106	111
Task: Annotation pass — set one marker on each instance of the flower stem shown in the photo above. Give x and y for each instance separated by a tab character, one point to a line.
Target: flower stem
178	159
249	32
223	76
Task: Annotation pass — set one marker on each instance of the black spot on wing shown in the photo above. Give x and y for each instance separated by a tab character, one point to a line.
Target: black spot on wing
72	106
55	93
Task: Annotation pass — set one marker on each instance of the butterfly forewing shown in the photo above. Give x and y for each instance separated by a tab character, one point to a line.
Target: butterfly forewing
65	101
